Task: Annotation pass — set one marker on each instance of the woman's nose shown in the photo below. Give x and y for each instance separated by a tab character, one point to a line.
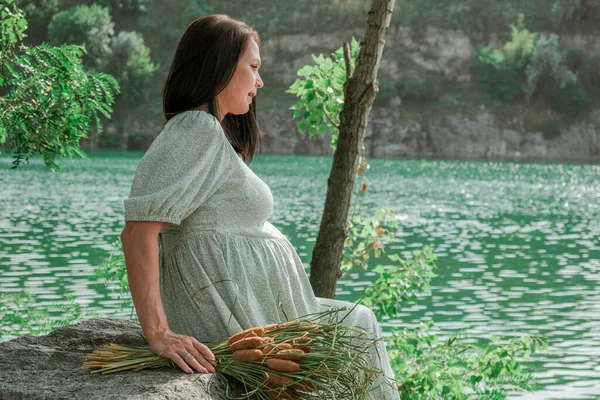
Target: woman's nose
259	82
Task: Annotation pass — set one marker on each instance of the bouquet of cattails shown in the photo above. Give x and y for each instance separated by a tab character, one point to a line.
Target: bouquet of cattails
314	357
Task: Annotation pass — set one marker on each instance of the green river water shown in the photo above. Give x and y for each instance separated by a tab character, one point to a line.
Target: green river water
518	245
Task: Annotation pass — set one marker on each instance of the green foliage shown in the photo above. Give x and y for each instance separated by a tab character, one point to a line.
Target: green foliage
547	69
495	76
424	366
500	72
571	100
26	314
456	368
519	49
367	238
124	56
49	100
132	67
400	282
88	26
114	272
114	275
321	92
474	17
534	64
23	313
12	28
37	11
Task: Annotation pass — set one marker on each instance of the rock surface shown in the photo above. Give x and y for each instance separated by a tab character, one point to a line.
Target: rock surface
424	129
481	135
51	367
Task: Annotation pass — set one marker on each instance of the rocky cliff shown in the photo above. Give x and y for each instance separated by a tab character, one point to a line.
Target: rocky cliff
453	119
481	135
475	129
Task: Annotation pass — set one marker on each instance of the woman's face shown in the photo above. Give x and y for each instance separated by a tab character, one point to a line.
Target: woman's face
238	94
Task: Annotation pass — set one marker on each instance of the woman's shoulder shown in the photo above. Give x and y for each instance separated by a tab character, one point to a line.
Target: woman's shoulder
193	120
190	128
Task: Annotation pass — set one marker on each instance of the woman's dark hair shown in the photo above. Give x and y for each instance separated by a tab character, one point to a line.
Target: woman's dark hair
204	62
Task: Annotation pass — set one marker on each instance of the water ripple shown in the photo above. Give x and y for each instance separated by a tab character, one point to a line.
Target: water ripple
517	244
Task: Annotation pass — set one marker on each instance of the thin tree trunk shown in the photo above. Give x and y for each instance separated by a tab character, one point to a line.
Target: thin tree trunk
359	92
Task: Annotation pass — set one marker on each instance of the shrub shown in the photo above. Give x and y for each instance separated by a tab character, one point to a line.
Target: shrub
521	46
131	65
571	100
500	72
495	76
547	69
90	26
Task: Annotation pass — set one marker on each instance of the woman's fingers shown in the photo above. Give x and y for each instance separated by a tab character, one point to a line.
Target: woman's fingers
184	351
194	359
185	359
205	353
177	359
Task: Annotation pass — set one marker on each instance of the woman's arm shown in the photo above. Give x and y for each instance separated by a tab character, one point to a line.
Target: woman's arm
140	246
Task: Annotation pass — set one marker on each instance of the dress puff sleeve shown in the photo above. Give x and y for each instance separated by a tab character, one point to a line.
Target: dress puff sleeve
187	162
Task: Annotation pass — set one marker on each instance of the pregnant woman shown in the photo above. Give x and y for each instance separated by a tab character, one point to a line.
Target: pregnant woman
202	260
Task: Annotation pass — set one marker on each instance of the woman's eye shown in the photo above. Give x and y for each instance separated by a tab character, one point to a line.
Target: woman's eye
255	66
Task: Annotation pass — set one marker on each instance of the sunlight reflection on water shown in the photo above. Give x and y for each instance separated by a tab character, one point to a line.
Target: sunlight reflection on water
517	244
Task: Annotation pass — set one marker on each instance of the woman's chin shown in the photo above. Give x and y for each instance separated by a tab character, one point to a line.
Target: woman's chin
241	111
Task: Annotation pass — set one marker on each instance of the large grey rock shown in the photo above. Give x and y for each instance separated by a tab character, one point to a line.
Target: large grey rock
51	367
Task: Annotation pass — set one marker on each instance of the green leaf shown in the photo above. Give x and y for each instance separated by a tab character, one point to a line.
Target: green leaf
302	125
307	70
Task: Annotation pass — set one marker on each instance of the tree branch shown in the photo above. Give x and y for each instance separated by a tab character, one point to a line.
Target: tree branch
329	118
347	57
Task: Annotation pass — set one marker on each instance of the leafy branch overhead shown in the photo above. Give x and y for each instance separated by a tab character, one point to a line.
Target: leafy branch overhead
49	100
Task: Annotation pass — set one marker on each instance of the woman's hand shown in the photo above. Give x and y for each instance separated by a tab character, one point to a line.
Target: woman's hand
185	351
140	247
